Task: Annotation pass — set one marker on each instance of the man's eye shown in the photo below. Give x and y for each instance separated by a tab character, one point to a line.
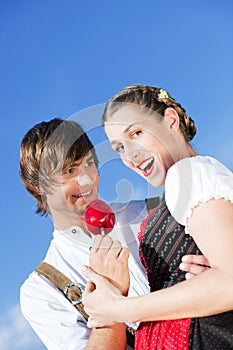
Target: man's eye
90	163
69	171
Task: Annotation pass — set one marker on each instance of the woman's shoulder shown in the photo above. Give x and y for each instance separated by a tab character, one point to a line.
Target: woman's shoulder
208	161
194	180
204	160
198	168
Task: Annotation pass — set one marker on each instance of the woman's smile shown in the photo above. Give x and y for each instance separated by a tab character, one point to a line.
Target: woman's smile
146	166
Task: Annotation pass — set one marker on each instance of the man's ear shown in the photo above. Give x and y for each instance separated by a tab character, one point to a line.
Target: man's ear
172	118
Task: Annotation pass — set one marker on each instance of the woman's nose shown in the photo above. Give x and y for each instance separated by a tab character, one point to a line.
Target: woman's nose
84	179
132	152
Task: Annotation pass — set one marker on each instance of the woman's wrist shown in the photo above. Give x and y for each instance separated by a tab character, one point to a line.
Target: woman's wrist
118	308
126	303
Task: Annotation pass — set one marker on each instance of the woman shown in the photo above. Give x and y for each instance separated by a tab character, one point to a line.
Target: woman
151	132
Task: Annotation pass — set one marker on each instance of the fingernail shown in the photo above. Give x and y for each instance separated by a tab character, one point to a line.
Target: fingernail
184	258
182	266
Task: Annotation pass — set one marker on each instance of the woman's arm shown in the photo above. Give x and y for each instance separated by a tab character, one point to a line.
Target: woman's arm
211	292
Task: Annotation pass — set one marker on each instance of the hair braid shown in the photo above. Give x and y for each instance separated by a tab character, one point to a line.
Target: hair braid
154	98
187	125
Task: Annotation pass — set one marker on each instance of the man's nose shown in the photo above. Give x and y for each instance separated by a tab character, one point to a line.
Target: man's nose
84	179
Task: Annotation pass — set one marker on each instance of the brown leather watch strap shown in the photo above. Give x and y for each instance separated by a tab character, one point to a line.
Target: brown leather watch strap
71	290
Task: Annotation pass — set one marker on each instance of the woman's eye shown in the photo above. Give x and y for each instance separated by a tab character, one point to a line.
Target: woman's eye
119	149
136	133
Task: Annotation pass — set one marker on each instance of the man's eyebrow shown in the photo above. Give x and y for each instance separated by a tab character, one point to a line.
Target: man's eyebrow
90	157
71	165
76	162
80	160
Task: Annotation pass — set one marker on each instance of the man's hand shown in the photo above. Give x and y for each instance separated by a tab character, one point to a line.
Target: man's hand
109	259
194	265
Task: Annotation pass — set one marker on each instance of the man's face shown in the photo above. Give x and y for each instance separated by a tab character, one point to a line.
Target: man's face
75	188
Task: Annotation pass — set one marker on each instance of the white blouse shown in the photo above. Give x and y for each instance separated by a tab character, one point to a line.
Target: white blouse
196	180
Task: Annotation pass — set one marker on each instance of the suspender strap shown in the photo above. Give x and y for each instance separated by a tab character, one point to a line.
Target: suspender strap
71	290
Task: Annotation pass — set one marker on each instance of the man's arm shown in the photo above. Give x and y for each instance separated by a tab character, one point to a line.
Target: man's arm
58	323
108	338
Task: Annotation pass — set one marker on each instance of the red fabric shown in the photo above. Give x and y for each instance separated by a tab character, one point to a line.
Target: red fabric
163	335
143	225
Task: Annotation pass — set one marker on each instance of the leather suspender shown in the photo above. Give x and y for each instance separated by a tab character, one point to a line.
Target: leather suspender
71	290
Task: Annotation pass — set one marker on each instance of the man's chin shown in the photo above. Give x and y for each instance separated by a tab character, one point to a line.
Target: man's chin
81	209
80	212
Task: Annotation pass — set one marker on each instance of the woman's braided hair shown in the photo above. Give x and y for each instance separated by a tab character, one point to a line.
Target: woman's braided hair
153	98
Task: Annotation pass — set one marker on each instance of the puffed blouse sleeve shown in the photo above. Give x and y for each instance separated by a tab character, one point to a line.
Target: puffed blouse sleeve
196	180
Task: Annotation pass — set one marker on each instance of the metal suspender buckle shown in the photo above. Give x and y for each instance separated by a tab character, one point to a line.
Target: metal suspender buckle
79	286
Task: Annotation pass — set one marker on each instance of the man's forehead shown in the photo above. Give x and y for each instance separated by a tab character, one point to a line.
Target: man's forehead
78	161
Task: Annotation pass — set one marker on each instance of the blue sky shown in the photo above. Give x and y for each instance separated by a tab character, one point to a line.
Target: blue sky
62	57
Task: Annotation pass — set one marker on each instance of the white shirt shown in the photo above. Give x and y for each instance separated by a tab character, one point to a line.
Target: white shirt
56	321
196	180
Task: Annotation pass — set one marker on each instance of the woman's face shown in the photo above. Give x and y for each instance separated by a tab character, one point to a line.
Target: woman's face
145	144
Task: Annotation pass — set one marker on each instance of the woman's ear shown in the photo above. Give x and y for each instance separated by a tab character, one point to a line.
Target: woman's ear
172	118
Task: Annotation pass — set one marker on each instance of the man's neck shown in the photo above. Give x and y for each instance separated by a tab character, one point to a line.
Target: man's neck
64	223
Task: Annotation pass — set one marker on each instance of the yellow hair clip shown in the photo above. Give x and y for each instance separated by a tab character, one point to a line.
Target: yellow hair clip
163	94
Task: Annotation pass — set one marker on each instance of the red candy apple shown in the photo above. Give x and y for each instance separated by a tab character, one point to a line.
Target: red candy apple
99	217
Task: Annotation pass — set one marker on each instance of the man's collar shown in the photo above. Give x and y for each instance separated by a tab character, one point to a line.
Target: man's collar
74	234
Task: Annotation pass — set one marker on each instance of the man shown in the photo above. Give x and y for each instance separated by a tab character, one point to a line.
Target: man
58	166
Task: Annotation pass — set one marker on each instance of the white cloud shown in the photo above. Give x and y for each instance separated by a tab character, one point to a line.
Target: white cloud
16	333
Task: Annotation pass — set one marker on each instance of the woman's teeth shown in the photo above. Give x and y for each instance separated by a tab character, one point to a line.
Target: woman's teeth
146	165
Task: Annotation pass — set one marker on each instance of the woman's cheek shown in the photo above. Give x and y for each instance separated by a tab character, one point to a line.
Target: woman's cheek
127	163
